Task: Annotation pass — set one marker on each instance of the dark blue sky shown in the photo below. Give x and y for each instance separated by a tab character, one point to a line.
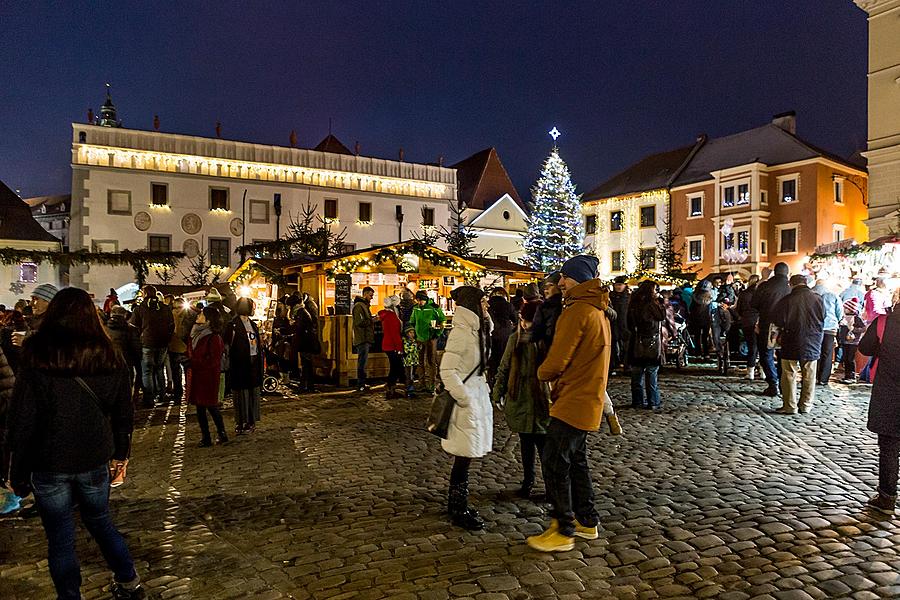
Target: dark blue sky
620	78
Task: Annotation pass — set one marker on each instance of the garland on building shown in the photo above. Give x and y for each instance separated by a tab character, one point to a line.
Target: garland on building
397	255
139	260
555	228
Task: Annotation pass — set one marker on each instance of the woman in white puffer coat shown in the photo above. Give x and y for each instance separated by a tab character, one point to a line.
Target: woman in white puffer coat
463	366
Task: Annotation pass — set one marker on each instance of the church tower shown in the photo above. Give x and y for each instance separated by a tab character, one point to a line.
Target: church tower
108	112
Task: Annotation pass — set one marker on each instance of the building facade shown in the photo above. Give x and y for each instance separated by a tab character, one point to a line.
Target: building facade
136	189
19	231
492	206
52	212
883	153
737	203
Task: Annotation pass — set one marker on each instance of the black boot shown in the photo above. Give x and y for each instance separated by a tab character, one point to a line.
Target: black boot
458	507
525	490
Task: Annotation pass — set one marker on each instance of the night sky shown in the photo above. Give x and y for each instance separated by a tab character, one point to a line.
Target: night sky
619	78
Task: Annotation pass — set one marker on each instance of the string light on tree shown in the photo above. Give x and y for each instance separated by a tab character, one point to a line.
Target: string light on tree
555	229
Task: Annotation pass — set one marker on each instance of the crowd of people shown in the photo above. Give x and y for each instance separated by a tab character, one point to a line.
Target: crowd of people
543	357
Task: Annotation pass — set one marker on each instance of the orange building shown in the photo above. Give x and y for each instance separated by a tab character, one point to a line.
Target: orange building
761	196
737	203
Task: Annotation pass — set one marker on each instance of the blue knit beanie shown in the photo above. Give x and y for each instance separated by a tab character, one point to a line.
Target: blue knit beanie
581	268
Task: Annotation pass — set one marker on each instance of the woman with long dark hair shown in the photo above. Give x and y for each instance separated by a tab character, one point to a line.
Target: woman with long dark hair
70	425
463	368
646	314
205	350
245	366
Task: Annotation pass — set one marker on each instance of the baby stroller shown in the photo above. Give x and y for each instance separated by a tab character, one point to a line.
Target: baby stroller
721	325
677	346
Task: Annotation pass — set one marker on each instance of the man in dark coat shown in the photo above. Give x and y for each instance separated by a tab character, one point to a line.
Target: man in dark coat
882	340
767	295
749	318
618	301
154	321
801	317
363	334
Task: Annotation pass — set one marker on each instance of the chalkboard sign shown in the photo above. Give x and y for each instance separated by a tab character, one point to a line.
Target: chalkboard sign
342	294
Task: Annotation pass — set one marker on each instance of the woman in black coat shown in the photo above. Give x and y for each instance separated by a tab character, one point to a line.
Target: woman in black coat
245	366
505	320
882	340
306	342
646	314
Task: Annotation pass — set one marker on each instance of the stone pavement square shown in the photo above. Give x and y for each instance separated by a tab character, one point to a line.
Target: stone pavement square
342	495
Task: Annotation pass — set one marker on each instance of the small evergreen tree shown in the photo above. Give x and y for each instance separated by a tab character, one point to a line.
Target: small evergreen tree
313	235
429	234
555	228
200	273
670	252
460	237
165	273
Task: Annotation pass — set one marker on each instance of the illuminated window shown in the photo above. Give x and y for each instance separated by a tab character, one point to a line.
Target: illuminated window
648	259
695	250
218	199
365	212
743	241
159	194
590	224
728	196
331	208
615	261
788	190
728	241
648	216
28	273
743	194
615	220
696	206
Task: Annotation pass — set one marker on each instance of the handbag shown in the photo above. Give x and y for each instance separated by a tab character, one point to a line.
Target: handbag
438	421
647	345
116	468
773	340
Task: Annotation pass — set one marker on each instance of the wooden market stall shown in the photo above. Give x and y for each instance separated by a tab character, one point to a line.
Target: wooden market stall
334	282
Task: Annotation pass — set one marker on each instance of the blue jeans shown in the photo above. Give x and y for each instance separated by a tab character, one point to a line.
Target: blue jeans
568	477
153	373
56	495
767	359
644	387
362	351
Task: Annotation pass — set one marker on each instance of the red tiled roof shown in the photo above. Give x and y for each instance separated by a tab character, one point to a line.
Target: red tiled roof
482	180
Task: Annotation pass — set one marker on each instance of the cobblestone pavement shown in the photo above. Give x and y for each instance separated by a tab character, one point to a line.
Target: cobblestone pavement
341	495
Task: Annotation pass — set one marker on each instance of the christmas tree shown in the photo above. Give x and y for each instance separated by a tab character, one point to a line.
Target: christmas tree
555	228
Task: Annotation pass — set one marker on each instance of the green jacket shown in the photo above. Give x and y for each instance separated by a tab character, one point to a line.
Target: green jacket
363	326
421	319
527	406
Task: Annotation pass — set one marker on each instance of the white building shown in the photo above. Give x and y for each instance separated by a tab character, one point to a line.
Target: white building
883	153
136	189
494	209
19	231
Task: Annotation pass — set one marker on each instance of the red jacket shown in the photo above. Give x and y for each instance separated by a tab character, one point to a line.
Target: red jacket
390	324
206	367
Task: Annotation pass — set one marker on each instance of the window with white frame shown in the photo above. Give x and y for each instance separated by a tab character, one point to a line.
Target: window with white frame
763	197
743	194
118	202
789	189
694	249
615	220
695	205
727	196
648	216
728	241
615	261
259	211
763	248
788	237
28	272
839	232
743	240
838	191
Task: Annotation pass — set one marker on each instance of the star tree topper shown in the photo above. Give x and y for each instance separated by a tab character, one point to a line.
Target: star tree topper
555	133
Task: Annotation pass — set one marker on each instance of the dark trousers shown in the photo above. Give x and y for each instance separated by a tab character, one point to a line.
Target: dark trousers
619	349
56	495
888	466
826	359
204	422
176	364
396	363
752	349
849	360
568	477
309	373
362	352
767	359
530	444
459	474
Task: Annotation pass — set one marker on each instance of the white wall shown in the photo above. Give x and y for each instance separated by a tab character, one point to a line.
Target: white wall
501	229
9	275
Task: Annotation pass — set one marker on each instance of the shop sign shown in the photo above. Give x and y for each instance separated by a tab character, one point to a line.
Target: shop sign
391	279
835	246
342	294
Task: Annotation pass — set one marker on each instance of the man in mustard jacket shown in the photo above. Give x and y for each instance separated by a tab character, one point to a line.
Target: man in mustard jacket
577	365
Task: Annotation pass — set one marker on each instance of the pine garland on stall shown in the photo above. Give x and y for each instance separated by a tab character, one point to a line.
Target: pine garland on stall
555	229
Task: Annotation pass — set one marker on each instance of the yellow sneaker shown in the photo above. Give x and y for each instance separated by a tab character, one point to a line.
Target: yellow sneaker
587	533
551	541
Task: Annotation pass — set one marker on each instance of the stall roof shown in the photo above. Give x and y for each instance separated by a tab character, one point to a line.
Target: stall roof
501	265
272	266
296	265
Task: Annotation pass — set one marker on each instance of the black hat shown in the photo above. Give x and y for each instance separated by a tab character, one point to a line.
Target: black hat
620	279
